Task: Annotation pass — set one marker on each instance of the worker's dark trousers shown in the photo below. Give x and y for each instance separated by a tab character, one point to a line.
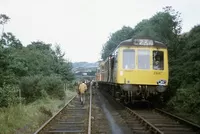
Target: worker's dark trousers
82	98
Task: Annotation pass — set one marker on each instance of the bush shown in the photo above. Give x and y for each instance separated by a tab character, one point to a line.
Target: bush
186	100
186	104
34	87
53	86
70	86
26	119
9	95
30	88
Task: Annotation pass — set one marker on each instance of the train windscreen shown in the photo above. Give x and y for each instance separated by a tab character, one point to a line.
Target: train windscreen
143	59
128	59
158	60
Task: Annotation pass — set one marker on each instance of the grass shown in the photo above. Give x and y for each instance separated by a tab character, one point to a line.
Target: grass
27	119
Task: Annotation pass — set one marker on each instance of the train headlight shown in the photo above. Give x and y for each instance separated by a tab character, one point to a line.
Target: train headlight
161	82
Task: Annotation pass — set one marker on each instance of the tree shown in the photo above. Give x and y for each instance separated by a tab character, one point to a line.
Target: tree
58	52
146	28
9	40
3	20
190	58
164	26
37	69
115	39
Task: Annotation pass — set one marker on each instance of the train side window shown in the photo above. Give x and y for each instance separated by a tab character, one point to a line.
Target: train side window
158	60
128	59
143	59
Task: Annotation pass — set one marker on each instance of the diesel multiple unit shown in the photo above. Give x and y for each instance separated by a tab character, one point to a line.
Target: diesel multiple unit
136	70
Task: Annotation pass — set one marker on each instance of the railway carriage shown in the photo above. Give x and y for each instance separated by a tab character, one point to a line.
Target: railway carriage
136	70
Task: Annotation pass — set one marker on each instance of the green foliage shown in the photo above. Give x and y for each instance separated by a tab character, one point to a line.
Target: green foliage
9	95
36	71
6	76
37	68
26	119
53	86
115	39
186	101
164	26
9	40
38	86
184	69
30	87
4	19
35	61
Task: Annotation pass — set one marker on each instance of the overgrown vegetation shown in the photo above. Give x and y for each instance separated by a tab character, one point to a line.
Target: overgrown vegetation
35	70
26	119
184	56
28	74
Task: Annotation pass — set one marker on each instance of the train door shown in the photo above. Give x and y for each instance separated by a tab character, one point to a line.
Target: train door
115	66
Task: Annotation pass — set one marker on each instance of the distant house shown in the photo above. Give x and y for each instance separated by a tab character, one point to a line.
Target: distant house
84	74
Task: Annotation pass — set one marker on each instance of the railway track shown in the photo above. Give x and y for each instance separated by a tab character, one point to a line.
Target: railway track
72	118
159	122
154	120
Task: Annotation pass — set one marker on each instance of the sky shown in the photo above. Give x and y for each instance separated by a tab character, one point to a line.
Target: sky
81	27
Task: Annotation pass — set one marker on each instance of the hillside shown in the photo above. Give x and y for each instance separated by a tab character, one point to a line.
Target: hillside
84	69
84	65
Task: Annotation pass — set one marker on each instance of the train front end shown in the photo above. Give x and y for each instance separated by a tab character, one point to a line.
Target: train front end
142	71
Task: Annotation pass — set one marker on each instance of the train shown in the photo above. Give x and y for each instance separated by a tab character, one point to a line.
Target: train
137	70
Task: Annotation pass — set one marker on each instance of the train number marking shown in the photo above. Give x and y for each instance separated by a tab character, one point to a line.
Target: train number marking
157	73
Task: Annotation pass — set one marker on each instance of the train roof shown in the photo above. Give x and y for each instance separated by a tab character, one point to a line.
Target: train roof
130	42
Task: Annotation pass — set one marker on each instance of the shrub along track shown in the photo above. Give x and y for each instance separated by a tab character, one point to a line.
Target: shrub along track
72	118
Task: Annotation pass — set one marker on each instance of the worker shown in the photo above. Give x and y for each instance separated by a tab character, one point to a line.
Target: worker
82	89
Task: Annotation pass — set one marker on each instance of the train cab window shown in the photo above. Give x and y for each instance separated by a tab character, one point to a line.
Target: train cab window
128	59
143	59
158	60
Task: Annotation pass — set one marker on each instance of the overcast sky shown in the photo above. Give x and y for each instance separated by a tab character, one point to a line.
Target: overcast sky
81	27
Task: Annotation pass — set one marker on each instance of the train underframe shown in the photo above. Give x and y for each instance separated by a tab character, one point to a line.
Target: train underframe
129	94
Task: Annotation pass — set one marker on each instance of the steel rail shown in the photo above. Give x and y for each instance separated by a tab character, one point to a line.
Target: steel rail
48	121
90	112
149	125
181	120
